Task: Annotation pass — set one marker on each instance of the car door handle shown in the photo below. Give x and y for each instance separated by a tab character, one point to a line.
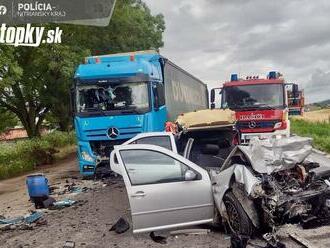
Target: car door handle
139	194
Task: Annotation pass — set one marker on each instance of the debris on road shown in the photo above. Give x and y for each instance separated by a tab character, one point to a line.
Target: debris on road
11	221
314	222
238	241
300	240
120	226
27	219
21	222
33	217
68	189
272	241
48	202
69	244
62	204
158	239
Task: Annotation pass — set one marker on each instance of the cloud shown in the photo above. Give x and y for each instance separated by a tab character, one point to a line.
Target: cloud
214	38
318	87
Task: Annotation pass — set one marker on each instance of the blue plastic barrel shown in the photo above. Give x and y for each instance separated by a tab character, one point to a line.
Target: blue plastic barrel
37	186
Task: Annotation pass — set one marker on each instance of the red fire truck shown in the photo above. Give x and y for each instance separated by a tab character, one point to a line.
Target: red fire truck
260	105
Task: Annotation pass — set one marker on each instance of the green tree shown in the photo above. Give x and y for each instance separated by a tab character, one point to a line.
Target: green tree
28	79
35	82
7	119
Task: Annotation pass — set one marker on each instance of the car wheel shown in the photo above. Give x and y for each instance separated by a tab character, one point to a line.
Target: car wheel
238	221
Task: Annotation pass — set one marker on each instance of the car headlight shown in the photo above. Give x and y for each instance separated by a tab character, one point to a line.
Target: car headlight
257	191
85	155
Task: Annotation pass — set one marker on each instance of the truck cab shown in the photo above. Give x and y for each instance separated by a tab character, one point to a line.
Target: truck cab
115	98
260	105
118	96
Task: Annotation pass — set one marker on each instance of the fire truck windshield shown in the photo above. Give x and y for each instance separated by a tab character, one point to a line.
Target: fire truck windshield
258	96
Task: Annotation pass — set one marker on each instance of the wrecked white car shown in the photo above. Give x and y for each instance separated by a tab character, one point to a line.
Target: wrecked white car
199	177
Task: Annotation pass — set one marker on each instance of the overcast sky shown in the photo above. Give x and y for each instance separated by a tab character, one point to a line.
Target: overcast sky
214	38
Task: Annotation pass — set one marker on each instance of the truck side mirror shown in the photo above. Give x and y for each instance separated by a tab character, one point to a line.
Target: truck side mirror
295	90
212	98
295	94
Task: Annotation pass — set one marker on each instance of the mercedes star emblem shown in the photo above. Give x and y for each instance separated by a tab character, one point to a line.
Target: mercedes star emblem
252	124
113	132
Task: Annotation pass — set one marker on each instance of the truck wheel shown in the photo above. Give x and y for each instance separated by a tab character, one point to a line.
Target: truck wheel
238	221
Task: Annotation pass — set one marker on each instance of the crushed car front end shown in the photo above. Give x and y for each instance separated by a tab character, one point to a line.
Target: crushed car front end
275	183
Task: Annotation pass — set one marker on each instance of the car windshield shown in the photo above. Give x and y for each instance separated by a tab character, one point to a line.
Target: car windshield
253	96
128	97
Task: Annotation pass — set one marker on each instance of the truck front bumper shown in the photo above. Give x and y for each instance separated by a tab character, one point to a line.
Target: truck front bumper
86	159
86	169
246	137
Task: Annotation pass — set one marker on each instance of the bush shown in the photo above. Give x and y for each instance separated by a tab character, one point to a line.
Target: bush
319	131
26	155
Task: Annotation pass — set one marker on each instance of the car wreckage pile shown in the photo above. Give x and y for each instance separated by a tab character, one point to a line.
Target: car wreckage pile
253	188
286	190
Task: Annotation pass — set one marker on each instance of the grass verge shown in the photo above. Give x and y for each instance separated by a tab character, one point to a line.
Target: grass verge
26	155
319	131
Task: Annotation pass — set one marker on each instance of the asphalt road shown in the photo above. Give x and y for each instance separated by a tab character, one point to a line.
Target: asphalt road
88	222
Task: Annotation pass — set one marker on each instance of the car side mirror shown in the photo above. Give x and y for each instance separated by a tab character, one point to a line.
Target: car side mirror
190	175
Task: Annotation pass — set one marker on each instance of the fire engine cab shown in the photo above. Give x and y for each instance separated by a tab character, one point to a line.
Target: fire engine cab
260	105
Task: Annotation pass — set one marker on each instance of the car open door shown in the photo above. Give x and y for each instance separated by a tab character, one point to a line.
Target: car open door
164	189
163	139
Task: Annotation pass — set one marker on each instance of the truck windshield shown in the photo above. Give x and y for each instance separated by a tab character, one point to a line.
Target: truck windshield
117	97
253	96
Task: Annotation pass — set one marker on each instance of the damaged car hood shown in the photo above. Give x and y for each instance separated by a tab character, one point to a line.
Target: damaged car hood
273	155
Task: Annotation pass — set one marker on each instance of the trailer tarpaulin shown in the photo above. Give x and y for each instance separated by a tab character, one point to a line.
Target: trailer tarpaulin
183	92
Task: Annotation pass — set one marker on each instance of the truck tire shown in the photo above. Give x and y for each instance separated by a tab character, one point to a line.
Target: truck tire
238	221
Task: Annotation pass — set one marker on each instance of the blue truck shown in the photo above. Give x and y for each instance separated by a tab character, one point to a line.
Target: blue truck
117	96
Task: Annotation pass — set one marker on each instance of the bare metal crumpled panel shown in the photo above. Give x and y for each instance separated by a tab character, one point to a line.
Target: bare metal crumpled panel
273	155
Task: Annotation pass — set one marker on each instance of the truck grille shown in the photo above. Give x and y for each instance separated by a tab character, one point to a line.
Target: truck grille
256	124
103	133
96	133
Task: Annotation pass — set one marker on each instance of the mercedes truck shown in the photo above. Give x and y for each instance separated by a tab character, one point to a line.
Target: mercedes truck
260	105
118	96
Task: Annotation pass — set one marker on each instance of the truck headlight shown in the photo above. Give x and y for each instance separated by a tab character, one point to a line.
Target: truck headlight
278	125
85	155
